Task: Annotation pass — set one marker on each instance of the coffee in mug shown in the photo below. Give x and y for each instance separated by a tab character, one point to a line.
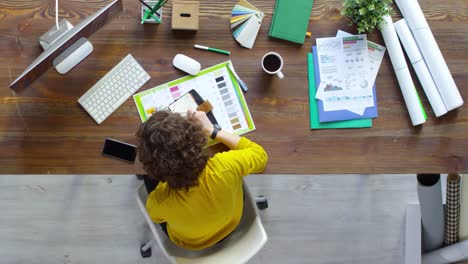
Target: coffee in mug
272	63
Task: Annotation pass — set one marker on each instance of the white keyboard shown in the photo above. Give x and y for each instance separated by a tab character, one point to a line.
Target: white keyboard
112	90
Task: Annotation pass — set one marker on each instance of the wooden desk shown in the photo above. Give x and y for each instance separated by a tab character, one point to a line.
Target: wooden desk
44	130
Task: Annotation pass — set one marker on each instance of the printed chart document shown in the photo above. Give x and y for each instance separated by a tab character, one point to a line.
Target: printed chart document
330	65
343	114
344	71
376	53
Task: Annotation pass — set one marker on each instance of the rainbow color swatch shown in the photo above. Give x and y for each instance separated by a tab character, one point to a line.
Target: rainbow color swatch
245	21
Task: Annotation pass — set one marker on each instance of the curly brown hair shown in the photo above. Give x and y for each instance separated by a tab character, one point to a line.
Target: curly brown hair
170	147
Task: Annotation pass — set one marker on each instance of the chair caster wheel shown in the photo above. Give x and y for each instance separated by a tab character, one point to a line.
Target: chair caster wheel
262	202
145	254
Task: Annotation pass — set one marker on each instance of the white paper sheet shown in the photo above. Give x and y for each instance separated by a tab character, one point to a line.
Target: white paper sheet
344	69
420	67
431	53
330	64
356	73
183	104
397	57
376	53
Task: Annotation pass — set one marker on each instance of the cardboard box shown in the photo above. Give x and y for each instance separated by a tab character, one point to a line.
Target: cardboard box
185	15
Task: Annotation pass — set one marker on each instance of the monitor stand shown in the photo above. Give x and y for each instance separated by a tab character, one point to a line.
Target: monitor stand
73	54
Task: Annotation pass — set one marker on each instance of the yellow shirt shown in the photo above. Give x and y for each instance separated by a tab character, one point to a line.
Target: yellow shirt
205	214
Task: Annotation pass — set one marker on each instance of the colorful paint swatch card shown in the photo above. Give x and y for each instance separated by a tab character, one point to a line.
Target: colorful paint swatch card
245	22
215	84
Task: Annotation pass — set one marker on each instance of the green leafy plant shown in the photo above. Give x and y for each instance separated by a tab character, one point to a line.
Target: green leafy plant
366	14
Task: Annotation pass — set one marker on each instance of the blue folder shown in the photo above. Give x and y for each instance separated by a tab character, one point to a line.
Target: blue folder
314	118
330	116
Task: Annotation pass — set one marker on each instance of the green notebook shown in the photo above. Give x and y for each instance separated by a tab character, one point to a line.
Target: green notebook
291	19
314	115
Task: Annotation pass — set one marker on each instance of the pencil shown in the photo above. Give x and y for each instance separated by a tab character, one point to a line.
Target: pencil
147	13
225	52
151	11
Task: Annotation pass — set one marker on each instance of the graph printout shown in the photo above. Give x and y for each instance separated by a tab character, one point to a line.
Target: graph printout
344	74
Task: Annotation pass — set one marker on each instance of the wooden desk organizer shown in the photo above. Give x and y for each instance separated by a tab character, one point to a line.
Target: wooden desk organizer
185	15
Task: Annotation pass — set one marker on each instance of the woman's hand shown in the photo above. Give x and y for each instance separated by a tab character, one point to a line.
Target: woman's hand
201	119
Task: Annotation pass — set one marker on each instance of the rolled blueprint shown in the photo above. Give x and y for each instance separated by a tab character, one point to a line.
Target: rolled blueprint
452	210
420	67
415	109
464	208
432	211
431	53
450	254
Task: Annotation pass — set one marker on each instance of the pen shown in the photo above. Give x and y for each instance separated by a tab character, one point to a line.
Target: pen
147	13
241	83
212	49
158	5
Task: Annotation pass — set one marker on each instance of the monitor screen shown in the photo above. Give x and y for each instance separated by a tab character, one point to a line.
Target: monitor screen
83	30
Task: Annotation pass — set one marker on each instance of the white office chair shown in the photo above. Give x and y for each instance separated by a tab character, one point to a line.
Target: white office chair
241	245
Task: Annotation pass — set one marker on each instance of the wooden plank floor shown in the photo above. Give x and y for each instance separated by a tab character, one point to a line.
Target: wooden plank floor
311	219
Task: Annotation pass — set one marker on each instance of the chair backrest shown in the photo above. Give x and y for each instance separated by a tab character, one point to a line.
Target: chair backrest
159	235
240	246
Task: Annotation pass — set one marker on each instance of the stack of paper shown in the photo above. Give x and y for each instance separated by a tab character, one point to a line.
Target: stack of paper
347	67
246	20
314	115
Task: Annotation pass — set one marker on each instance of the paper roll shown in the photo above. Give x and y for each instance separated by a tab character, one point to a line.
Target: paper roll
452	210
450	254
464	208
420	67
432	211
431	53
415	109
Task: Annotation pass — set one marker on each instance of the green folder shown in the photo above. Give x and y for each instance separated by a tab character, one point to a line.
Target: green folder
291	19
314	115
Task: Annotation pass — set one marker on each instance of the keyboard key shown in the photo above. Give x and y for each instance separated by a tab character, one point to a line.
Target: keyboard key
118	103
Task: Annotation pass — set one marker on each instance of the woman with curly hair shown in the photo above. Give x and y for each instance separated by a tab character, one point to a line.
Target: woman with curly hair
198	200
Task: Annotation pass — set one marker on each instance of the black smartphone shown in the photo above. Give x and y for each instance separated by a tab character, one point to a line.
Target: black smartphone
120	150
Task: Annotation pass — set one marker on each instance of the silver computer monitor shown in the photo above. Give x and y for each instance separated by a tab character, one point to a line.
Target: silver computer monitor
66	46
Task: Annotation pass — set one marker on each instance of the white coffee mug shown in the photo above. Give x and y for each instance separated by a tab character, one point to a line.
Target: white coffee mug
272	63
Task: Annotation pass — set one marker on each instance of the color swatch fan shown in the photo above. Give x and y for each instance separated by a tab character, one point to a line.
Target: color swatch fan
246	20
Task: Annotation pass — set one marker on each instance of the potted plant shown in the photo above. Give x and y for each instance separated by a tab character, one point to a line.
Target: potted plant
366	14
